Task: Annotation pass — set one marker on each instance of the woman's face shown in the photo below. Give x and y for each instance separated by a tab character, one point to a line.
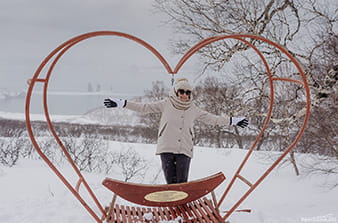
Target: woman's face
184	94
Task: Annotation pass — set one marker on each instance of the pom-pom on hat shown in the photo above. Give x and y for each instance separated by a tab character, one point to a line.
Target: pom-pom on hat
182	83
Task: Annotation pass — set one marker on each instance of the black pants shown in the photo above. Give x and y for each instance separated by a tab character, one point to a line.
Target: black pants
175	167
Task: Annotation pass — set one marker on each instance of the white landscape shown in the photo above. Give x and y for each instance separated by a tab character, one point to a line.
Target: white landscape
31	193
105	67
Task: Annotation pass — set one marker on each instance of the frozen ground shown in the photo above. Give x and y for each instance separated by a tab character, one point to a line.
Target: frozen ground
30	193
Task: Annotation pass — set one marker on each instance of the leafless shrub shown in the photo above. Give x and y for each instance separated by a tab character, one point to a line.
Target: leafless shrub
85	151
27	150
11	128
9	153
131	164
324	168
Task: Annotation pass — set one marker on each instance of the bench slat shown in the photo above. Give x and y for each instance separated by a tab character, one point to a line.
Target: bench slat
199	211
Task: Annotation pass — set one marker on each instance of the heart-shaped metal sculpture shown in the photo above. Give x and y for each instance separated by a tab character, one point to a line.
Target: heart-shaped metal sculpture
56	54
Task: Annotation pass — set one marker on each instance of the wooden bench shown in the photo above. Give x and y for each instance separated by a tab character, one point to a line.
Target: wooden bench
167	202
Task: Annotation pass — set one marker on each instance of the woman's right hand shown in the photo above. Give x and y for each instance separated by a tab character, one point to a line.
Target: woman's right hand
114	103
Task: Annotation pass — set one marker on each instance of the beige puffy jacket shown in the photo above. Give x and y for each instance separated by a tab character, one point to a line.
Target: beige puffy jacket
176	133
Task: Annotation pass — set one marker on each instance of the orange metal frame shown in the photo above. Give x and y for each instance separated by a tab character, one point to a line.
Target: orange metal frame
59	51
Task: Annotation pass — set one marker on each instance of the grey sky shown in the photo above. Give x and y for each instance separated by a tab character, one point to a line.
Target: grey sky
30	30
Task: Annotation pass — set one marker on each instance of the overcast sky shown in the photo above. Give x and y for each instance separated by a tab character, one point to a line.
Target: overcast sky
30	30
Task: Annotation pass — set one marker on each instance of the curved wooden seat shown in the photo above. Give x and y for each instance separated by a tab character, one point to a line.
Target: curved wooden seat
166	194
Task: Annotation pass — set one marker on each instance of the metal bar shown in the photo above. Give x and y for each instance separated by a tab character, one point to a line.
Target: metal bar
201	211
244	180
128	211
117	213
162	213
156	214
240	210
263	128
78	184
37	80
185	214
63	48
189	212
214	200
210	211
45	158
288	79
123	213
110	212
300	133
134	212
205	42
199	218
51	127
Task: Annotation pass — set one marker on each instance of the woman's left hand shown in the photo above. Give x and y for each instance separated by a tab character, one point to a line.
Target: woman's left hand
240	121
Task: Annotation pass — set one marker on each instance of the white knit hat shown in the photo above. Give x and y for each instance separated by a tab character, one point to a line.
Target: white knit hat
182	83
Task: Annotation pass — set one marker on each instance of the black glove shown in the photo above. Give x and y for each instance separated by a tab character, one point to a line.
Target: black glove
240	121
113	103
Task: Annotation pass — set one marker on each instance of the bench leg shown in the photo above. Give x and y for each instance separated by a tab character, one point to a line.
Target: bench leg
110	210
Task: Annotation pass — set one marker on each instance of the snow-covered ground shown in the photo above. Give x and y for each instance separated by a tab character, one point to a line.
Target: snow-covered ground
31	193
100	116
8	94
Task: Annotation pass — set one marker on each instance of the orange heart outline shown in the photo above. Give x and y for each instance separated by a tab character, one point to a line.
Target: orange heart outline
60	50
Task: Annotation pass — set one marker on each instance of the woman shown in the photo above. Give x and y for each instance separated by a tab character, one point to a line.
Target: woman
176	135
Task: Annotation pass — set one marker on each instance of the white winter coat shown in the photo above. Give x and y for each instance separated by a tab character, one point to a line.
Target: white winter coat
176	133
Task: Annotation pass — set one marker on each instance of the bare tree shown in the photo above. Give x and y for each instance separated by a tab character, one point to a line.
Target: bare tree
152	121
307	28
130	163
324	166
216	97
322	130
276	20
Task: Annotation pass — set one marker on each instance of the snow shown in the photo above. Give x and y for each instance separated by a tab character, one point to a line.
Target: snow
39	117
100	116
10	94
148	216
31	193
